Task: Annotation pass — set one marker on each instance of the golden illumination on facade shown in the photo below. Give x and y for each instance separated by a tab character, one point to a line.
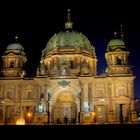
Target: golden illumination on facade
66	88
20	121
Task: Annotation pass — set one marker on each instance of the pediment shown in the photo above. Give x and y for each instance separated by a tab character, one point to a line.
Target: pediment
123	97
8	101
12	54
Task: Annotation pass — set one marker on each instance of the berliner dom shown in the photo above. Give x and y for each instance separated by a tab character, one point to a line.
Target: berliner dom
67	88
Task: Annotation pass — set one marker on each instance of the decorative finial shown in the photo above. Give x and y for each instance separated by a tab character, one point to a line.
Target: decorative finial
122	35
16	38
115	34
68	24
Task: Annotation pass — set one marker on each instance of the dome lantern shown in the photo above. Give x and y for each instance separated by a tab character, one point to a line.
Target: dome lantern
68	24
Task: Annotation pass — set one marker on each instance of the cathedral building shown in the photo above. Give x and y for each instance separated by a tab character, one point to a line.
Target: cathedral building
66	88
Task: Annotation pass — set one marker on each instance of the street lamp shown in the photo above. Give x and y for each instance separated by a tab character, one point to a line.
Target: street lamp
94	119
29	117
48	109
79	96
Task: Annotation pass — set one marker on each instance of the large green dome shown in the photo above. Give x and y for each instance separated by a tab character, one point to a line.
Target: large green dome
68	39
115	44
15	46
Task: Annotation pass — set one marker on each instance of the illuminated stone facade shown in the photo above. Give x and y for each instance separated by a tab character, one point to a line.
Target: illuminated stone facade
66	88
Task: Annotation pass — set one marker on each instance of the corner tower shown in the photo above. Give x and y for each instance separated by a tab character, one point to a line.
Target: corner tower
121	81
117	57
13	59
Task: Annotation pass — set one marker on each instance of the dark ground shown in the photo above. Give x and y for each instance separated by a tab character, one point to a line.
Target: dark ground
115	131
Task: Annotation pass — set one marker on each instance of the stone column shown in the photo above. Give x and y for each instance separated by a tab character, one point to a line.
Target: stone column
50	110
82	92
94	67
16	91
132	89
3	110
93	97
133	112
37	94
111	112
1	92
93	91
129	90
85	95
105	89
113	89
90	96
3	89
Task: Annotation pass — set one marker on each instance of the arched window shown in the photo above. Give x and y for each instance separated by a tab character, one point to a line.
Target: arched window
72	64
85	64
11	64
119	61
41	96
9	94
64	71
29	95
100	93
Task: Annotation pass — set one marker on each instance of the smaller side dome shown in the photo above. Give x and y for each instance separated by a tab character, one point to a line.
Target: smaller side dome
15	46
115	44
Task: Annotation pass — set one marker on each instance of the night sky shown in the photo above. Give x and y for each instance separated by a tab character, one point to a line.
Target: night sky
35	23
